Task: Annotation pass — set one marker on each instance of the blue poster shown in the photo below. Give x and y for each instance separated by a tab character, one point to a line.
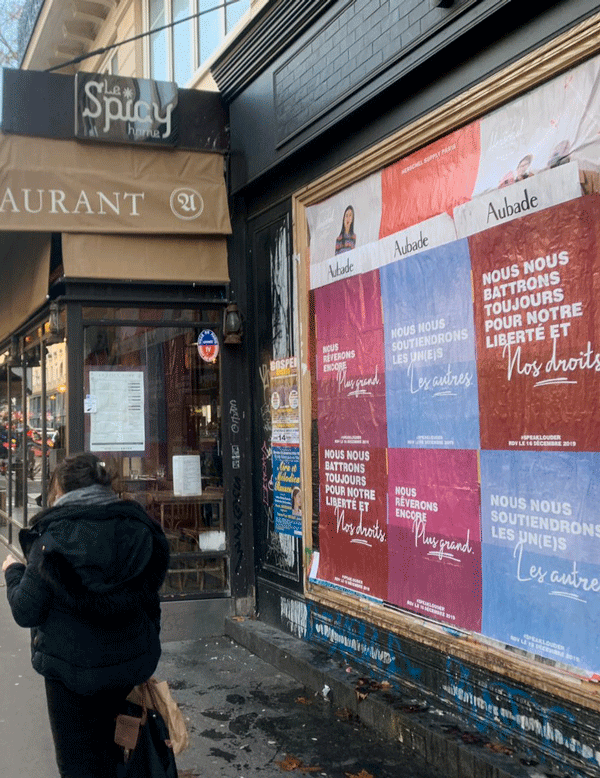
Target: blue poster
430	376
541	553
287	495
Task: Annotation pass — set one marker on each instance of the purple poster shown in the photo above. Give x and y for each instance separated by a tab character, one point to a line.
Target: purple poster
430	376
350	363
541	553
434	535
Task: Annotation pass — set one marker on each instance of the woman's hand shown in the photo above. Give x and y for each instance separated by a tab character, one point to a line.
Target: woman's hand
10	560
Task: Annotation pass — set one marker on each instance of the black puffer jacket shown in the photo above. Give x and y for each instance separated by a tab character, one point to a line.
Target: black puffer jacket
90	593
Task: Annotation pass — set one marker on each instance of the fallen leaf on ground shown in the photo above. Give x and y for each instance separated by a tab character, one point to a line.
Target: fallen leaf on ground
366	685
291	763
498	748
344	713
304	701
362	774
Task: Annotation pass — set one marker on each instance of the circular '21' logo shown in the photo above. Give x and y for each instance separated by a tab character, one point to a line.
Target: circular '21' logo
186	203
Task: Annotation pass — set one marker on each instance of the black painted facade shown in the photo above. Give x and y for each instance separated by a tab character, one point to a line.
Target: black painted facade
310	86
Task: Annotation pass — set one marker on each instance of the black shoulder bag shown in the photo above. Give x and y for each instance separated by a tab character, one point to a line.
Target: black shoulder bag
142	732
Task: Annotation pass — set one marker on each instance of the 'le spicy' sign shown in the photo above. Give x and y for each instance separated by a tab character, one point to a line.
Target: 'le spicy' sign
126	110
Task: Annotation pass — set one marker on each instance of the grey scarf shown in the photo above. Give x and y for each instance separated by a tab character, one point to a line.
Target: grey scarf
96	494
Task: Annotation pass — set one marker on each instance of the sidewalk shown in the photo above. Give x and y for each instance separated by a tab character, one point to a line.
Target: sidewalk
247	718
435	736
255	707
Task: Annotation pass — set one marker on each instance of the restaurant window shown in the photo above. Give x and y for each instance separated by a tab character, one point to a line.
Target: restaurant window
175	52
33	417
152	413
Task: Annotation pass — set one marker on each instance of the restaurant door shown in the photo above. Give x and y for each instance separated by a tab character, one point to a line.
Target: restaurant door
152	412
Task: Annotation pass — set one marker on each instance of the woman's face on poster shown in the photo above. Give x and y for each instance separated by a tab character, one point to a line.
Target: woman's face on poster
348	219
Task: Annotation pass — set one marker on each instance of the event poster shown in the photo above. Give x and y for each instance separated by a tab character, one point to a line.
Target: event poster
353	518
536	281
434	535
455	324
541	552
287	491
285	406
431	377
350	362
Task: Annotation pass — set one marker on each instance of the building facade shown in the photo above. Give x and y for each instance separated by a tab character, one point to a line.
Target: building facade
114	226
414	188
408	436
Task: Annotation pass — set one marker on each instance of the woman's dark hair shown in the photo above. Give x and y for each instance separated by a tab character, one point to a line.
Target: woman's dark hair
80	470
351	209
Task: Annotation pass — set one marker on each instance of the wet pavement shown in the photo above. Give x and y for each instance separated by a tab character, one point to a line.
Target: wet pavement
245	717
248	719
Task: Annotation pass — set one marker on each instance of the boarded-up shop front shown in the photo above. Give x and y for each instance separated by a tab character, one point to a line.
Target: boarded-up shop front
455	362
429	387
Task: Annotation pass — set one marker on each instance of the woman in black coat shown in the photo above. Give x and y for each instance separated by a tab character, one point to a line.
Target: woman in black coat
89	592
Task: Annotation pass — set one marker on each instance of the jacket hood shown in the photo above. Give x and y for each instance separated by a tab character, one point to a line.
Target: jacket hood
98	547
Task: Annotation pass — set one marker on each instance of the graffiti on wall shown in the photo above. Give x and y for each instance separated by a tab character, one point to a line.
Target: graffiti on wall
491	704
518	712
238	524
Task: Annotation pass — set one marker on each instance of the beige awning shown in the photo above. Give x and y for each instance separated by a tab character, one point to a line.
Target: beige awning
73	186
25	264
145	258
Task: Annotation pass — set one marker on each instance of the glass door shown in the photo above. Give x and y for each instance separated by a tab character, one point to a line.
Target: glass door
152	412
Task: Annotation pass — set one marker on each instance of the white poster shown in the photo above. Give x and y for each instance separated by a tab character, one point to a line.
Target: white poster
187	478
420	237
345	220
550	187
542	130
116	406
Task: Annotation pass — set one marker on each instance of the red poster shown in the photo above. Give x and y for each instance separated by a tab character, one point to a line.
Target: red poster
351	362
353	519
536	281
435	535
431	181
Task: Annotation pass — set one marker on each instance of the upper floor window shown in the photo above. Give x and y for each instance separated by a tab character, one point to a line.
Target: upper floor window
176	52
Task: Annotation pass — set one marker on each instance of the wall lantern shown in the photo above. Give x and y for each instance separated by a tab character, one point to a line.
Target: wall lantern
53	325
14	357
232	325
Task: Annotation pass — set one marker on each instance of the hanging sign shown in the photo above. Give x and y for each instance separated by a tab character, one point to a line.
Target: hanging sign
208	346
126	110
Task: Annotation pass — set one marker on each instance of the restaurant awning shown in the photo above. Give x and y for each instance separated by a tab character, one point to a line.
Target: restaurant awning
24	271
72	186
125	213
148	257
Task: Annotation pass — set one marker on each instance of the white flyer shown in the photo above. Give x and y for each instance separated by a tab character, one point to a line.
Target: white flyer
187	478
117	416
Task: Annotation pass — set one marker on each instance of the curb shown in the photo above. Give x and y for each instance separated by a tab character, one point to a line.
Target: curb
435	735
